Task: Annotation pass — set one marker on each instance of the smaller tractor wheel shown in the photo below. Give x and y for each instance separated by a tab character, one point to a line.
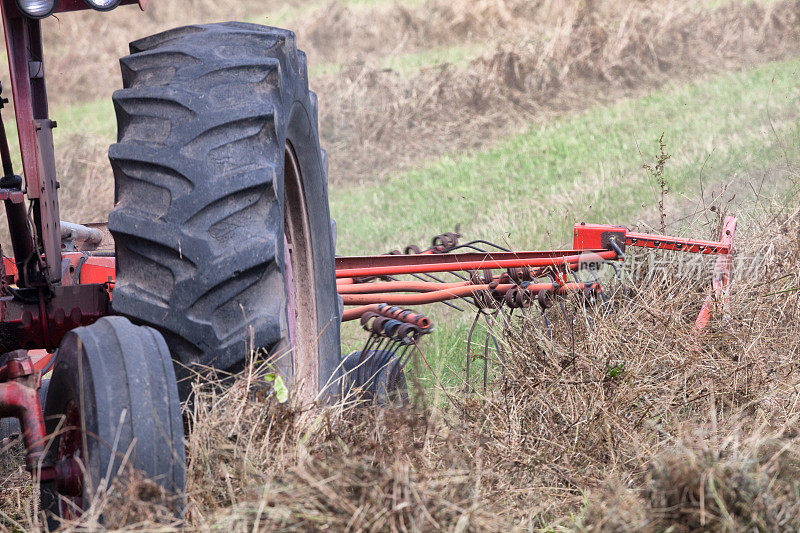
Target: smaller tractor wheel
378	376
113	403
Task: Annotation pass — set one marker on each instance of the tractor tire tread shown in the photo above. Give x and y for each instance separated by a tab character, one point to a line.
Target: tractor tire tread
196	186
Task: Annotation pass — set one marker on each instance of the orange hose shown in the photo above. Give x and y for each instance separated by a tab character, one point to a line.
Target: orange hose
398	286
447	294
356	312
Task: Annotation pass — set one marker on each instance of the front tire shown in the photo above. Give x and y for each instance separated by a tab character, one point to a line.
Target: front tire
113	398
221	222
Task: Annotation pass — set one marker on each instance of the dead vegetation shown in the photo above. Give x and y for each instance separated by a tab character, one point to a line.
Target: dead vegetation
374	121
624	421
674	432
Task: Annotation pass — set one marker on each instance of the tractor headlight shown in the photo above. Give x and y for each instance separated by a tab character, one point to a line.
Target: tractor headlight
102	5
37	9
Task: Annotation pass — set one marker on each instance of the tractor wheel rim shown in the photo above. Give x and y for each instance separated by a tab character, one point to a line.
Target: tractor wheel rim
70	446
300	280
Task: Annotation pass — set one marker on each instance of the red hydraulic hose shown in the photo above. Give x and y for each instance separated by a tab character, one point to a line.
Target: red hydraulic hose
449	294
456	265
398	286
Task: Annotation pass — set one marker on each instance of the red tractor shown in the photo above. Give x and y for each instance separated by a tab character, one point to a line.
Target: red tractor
219	235
220	243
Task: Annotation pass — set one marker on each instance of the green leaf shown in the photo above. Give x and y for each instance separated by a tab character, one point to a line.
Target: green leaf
281	391
617	371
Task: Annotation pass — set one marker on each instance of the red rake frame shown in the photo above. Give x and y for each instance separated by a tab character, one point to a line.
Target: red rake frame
368	284
356	275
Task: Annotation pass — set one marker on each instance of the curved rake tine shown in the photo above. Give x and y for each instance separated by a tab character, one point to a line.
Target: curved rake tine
395	346
486	360
367	347
506	323
585	314
602	293
434	278
471	244
571	329
502	356
401	361
616	272
471	247
361	366
567	319
403	358
469	347
438	280
564	312
547	325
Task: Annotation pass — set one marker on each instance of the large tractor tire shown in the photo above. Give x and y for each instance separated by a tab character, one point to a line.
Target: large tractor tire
221	224
113	402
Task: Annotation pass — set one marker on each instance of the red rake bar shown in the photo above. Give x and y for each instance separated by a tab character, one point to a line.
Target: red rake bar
395	265
604	236
592	242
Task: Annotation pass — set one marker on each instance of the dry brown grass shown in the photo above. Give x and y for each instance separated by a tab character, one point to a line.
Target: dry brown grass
624	421
623	399
374	122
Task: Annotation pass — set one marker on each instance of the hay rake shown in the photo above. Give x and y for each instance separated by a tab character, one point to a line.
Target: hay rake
491	279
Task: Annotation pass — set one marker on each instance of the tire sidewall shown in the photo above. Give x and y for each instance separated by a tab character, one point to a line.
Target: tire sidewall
302	135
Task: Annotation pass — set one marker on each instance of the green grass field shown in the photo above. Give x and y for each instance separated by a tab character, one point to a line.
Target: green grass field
733	130
529	190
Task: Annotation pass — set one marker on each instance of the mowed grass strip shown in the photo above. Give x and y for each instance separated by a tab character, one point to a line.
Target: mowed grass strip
735	129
